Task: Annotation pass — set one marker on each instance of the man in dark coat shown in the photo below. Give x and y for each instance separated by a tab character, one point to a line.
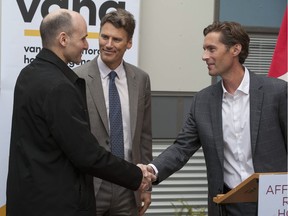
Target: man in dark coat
52	149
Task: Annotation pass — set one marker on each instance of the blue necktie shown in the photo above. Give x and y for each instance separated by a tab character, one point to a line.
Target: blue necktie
115	117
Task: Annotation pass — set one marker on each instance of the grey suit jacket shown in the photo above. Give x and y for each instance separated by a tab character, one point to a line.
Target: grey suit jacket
203	128
139	90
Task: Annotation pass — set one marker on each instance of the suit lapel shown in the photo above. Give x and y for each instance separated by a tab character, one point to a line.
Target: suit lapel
256	99
216	116
95	86
133	97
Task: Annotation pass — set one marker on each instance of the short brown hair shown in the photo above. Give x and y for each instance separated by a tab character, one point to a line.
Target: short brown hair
120	19
231	33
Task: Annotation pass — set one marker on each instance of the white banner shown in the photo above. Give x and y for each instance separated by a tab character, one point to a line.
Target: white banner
20	43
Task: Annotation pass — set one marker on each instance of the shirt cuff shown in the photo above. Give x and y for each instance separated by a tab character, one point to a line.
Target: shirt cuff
155	169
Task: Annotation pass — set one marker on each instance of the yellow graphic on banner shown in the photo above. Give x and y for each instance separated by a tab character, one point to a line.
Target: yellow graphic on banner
31	32
3	210
93	35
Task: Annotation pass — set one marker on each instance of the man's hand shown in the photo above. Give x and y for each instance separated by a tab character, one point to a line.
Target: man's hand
146	201
148	177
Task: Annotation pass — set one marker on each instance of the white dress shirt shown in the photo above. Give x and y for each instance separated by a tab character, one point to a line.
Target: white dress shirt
122	87
238	164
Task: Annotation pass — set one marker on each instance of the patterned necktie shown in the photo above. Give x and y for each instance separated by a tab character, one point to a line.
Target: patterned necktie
115	117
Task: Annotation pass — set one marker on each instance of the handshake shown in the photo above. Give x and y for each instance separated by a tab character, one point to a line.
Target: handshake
148	177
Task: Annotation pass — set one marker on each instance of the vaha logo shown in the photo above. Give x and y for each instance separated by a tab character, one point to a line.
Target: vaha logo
28	13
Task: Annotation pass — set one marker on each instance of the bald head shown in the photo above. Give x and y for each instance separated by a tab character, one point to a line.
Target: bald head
61	20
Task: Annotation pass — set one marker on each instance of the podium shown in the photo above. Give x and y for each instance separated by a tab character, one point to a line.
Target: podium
271	193
246	191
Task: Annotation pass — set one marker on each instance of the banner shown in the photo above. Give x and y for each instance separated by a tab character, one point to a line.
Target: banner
21	42
278	67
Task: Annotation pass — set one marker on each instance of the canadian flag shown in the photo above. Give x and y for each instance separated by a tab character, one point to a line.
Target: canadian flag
278	67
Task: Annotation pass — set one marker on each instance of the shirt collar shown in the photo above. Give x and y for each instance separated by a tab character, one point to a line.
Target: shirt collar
105	70
244	85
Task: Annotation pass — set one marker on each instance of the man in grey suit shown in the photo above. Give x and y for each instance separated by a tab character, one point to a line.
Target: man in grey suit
240	122
133	84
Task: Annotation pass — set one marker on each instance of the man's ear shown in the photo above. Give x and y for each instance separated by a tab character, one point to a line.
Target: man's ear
63	38
129	45
236	49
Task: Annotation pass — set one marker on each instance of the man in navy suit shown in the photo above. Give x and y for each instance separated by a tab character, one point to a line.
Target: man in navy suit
240	122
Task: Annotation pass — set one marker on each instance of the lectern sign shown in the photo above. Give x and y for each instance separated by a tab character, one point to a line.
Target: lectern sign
273	195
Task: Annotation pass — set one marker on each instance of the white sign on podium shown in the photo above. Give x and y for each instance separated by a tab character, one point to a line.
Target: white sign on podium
273	195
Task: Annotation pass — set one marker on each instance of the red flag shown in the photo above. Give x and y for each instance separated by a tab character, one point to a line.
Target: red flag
278	67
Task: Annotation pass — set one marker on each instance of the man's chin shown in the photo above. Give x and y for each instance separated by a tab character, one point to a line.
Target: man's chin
212	73
106	59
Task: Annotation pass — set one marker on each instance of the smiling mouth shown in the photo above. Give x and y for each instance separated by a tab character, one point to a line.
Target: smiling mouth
210	65
108	52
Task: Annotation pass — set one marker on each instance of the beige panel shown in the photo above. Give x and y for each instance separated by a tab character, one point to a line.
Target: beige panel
171	43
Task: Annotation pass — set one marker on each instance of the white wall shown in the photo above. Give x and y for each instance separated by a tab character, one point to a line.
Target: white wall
171	43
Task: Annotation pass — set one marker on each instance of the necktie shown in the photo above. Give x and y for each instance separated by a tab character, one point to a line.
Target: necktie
115	118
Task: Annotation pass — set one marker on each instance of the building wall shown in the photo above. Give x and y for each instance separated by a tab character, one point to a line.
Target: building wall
171	43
